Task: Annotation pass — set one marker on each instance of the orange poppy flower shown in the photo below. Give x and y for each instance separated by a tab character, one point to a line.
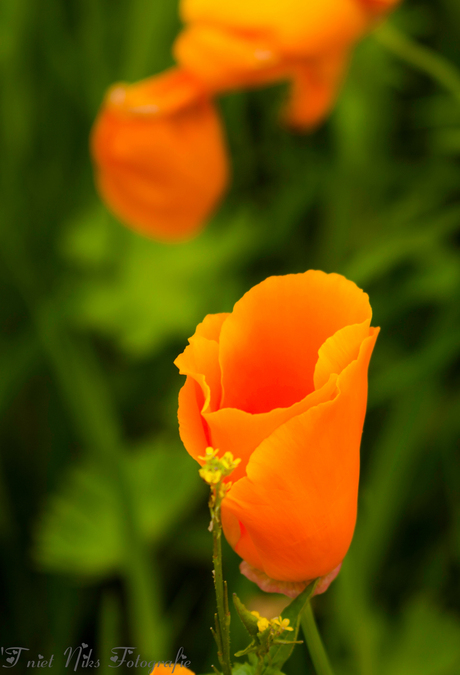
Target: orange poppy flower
379	7
178	669
161	162
244	43
281	382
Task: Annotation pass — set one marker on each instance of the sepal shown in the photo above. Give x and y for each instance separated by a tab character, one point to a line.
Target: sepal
248	619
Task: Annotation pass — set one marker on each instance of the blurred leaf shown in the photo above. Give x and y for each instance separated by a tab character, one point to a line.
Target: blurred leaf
243	669
150	291
80	530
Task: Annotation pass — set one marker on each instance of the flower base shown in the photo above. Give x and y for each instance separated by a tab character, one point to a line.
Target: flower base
290	588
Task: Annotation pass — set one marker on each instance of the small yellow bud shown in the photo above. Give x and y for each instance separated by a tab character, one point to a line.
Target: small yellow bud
215	468
228	462
263	624
210	453
210	476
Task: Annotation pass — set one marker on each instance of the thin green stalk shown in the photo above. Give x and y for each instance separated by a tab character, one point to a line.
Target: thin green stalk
213	472
223	613
110	629
315	645
149	32
422	58
260	666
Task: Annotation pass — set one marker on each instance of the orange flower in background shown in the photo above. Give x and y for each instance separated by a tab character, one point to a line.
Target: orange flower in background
160	156
245	43
177	669
281	382
379	7
177	666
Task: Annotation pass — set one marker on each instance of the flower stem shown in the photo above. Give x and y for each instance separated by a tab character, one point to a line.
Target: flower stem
214	470
420	57
314	643
223	612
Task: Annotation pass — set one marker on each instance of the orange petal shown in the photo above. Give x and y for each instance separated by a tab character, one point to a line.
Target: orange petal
315	86
339	351
200	360
379	7
296	27
269	344
164	669
297	506
162	94
202	389
240	432
192	427
160	157
211	326
227	60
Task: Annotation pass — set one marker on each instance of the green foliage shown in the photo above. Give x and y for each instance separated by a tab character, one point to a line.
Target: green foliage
243	669
280	653
153	292
81	530
426	642
273	649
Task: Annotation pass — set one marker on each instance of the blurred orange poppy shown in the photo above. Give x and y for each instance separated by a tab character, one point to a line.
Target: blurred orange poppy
178	669
159	153
379	7
281	382
245	43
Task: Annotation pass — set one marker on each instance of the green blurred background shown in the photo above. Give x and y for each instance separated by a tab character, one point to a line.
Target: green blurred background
103	517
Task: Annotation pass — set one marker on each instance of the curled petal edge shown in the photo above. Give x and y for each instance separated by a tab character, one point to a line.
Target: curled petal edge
289	588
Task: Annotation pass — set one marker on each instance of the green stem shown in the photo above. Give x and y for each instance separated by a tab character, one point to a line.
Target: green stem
223	613
315	645
420	57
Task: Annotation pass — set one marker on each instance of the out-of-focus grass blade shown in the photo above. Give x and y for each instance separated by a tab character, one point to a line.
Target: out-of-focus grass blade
425	641
150	29
80	531
110	630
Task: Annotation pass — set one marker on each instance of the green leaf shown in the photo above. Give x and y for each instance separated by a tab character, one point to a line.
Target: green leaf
243	669
279	654
80	530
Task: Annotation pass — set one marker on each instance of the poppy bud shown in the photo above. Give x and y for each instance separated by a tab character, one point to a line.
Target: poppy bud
160	157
